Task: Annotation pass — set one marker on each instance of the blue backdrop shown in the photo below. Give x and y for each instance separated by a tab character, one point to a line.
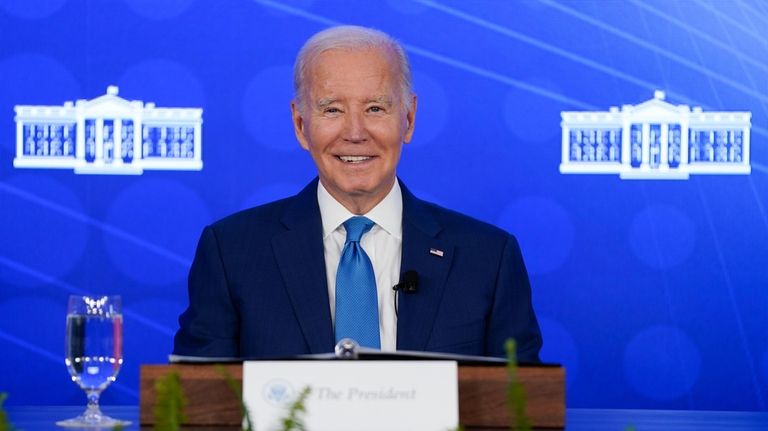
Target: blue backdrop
653	293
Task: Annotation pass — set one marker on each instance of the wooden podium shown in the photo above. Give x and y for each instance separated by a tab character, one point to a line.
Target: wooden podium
482	395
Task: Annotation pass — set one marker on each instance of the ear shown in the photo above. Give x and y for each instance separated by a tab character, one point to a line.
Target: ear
299	125
410	119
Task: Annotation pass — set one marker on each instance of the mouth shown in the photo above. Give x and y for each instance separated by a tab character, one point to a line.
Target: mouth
354	159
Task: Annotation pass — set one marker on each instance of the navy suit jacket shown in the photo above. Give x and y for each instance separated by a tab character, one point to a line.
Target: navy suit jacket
257	287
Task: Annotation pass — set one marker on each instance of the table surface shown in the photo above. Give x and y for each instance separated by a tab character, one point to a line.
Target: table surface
39	418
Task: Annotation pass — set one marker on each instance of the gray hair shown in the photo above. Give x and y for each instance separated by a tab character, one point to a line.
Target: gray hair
350	37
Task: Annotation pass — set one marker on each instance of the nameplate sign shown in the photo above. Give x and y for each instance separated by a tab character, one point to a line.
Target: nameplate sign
353	395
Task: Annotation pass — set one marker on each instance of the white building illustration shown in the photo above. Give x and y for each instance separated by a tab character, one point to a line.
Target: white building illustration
108	135
655	140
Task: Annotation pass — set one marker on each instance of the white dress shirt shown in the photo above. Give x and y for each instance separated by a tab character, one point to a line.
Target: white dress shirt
383	244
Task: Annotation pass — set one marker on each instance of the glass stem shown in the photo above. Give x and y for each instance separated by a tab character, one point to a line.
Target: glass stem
93	404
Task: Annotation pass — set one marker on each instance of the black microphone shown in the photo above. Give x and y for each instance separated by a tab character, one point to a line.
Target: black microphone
409	282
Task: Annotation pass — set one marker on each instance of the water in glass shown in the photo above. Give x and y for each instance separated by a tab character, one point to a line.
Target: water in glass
94	352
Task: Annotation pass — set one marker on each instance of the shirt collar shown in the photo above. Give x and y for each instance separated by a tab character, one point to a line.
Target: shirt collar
387	214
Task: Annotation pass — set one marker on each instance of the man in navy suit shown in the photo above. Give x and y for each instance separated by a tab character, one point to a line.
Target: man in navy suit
271	281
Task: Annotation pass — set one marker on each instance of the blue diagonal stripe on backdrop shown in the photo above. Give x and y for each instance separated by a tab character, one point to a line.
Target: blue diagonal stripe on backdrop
570	56
700	34
741	63
649	46
299	12
49	280
665	282
500	78
697	49
760	207
736	24
539	44
757	197
753	12
112	230
59	360
760	168
552	49
723	266
763	11
750	359
421	52
750	12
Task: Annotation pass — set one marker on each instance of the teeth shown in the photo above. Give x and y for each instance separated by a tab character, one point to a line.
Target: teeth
354	159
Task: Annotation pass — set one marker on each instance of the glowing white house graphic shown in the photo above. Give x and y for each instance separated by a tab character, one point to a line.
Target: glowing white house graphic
108	135
655	140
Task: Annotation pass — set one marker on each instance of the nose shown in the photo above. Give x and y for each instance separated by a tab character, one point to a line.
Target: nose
354	128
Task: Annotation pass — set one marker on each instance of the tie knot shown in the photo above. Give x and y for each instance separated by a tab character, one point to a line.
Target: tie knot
356	227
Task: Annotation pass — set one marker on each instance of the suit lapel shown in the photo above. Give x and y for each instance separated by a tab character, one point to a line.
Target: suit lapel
300	257
422	251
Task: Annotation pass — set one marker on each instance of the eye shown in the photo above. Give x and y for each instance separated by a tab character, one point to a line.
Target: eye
331	110
375	109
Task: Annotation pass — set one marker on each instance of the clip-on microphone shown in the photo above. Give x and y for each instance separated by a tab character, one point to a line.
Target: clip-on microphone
409	283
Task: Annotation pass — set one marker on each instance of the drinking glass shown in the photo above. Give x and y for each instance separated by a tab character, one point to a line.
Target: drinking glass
94	353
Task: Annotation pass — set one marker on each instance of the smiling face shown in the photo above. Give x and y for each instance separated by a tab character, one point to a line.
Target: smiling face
354	123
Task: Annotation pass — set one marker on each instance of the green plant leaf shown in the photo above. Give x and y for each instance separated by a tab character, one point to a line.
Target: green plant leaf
5	423
294	421
516	399
169	408
237	390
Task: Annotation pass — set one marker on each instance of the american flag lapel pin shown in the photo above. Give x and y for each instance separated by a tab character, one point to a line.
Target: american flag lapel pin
436	252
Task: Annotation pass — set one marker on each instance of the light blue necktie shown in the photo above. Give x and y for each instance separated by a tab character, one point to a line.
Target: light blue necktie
357	305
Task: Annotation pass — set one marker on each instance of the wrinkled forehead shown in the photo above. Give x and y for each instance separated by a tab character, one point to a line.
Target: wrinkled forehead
352	65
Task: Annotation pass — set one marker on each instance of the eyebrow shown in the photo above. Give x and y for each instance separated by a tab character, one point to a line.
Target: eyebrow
384	100
325	101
